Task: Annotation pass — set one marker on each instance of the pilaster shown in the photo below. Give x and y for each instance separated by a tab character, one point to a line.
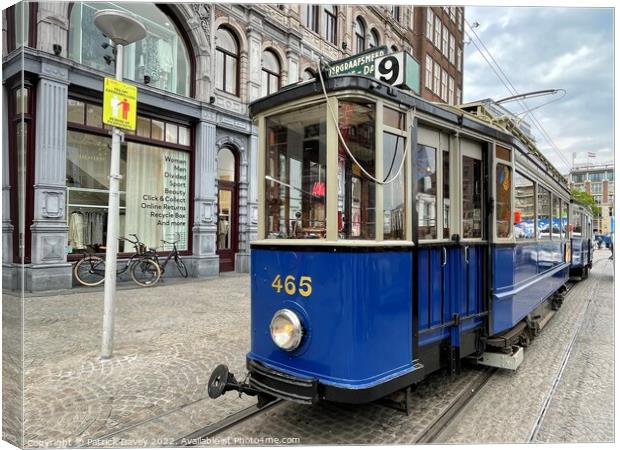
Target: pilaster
49	229
206	262
255	40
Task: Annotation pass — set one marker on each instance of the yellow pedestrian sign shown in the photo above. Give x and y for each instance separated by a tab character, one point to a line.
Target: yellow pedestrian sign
119	104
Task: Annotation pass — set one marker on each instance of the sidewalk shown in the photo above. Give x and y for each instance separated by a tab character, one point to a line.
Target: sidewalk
168	339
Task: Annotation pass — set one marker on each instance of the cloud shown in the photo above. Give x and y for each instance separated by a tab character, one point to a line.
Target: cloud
550	48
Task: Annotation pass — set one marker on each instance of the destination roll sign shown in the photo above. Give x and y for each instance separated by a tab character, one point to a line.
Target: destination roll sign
397	69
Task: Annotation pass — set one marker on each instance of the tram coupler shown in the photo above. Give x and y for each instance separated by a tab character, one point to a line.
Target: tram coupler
222	381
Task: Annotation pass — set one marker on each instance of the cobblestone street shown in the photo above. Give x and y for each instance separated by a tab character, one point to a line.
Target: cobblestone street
168	340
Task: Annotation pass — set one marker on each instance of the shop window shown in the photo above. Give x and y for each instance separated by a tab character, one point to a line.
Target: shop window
544	212
525	207
356	197
295	182
472	197
503	201
270	73
331	21
162	55
426	197
360	35
227	61
154	190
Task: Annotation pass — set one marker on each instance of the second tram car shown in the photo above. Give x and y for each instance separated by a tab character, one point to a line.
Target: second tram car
395	237
581	238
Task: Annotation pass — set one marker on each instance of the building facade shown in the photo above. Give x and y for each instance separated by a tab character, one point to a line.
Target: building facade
189	169
598	181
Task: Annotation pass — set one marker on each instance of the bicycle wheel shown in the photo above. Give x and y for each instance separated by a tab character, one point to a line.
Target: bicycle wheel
181	267
145	272
90	270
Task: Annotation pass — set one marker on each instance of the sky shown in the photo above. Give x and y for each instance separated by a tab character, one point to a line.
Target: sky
550	48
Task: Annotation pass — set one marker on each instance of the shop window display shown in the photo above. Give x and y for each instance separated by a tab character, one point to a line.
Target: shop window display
154	189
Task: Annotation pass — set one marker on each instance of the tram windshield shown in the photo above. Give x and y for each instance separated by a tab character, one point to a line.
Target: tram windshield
296	178
366	177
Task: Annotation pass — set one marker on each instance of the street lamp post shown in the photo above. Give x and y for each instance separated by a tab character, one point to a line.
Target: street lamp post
122	30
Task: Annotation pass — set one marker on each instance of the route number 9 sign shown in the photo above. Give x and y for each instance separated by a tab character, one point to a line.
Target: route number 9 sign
399	70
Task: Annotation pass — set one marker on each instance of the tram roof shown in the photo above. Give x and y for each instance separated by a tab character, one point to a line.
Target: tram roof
474	119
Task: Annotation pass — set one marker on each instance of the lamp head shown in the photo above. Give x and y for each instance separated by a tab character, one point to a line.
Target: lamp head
119	27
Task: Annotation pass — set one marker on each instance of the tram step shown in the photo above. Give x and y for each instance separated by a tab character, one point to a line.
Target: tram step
502	360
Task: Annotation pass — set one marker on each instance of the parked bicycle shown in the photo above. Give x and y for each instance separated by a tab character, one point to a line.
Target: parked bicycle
144	271
174	254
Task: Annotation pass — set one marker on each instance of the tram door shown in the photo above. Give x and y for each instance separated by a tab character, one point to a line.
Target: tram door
226	239
449	196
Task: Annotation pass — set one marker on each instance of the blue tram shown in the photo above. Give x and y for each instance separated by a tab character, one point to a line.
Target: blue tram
395	237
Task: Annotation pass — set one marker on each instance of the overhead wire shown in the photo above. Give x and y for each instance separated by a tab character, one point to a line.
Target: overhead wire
513	91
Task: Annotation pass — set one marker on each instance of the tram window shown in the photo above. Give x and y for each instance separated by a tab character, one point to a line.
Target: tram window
576	220
446	195
472	197
502	153
356	198
564	221
394	192
393	118
426	197
555	221
503	200
544	211
524	208
295	185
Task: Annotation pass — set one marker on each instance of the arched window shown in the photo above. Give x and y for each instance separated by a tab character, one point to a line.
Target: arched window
360	35
161	59
227	62
308	75
312	17
331	20
270	73
374	39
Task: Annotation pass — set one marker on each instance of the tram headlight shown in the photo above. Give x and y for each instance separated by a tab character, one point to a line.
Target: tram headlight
286	330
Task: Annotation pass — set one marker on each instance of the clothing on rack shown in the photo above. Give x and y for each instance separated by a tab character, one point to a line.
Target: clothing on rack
86	228
76	230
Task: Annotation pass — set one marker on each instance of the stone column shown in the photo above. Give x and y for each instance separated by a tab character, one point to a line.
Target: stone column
7	227
206	262
49	268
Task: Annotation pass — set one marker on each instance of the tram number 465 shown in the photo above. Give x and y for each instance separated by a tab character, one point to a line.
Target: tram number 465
292	286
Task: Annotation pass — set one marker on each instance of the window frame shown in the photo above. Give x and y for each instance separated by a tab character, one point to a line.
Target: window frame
228	54
133	137
518	171
332	140
270	73
312	17
329	17
31	37
359	38
510	164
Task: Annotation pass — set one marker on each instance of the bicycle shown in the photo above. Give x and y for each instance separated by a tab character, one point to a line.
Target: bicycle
173	254
90	270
